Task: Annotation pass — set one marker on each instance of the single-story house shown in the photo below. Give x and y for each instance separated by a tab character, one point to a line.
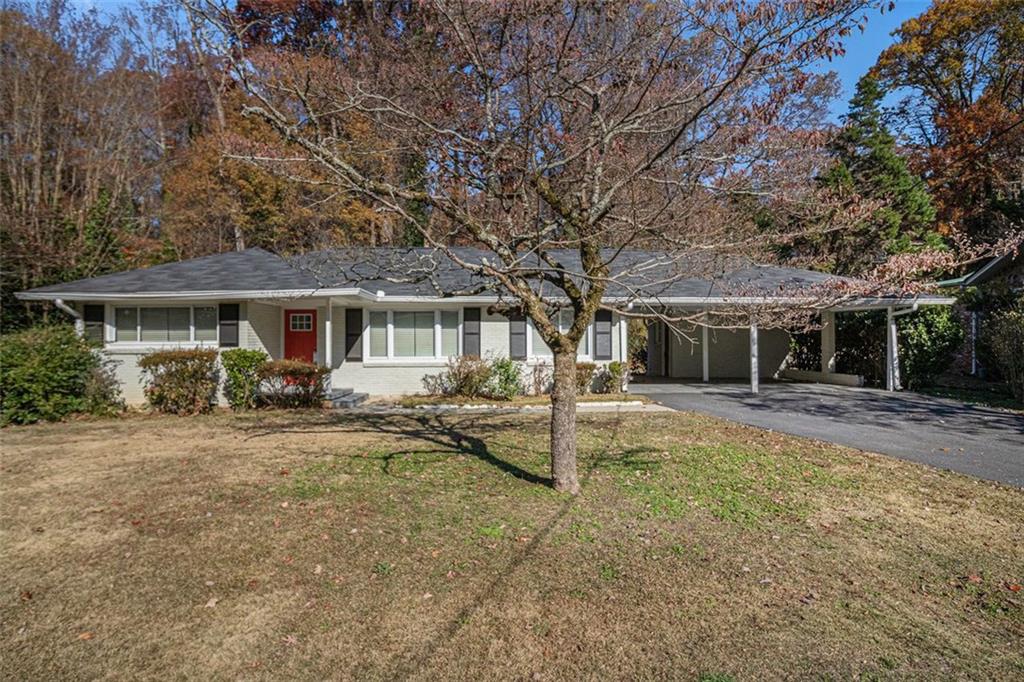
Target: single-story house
382	319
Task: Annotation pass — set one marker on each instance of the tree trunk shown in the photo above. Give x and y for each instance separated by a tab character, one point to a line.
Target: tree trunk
563	424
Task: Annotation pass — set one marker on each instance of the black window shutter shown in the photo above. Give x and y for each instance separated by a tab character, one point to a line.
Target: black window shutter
93	315
603	335
517	337
471	332
227	315
354	334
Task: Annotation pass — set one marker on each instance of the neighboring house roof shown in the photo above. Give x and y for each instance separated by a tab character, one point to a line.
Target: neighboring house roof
993	268
419	273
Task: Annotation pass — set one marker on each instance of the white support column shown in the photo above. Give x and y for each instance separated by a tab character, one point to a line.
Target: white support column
329	335
828	342
754	378
705	351
892	353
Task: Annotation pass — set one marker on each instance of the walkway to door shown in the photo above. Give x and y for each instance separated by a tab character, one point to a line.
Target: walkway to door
978	441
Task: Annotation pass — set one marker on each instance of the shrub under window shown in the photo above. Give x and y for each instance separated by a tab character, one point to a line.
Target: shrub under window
181	381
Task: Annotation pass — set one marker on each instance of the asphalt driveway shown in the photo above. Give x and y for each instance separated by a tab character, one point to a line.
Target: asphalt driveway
978	441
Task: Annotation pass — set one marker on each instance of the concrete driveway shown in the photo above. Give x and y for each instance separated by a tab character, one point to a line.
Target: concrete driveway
978	441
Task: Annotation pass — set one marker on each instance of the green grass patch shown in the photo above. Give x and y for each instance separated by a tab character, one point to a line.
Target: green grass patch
738	483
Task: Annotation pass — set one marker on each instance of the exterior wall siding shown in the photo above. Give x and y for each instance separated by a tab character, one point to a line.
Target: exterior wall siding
728	357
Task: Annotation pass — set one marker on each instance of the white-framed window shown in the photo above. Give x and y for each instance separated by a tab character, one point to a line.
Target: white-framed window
300	322
536	348
412	335
165	324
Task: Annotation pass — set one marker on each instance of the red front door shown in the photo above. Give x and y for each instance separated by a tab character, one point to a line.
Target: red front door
299	334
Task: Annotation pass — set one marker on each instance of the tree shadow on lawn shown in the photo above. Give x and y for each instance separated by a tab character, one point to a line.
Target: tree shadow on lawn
450	434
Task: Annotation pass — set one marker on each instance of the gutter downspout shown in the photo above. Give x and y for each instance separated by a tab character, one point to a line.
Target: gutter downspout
79	320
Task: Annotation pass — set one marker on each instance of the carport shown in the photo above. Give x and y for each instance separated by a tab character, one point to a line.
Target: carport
705	351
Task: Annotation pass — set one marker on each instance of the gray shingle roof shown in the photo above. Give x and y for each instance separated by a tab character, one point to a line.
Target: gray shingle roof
425	272
249	270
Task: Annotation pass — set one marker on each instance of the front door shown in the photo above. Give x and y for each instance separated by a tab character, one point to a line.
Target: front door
300	335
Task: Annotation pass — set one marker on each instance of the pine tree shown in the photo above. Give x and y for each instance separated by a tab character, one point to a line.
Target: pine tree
867	163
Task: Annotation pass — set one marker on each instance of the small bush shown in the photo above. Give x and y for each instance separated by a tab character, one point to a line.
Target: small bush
1005	336
294	383
242	376
102	389
181	381
465	376
48	373
506	379
585	377
613	377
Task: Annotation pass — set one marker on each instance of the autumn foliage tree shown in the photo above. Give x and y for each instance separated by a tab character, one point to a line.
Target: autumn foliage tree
960	65
556	126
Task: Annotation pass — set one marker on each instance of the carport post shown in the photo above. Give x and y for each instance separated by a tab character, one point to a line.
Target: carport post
753	357
892	353
828	342
704	350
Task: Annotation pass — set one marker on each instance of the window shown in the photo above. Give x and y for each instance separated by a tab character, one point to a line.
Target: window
449	333
414	334
126	324
93	316
166	324
411	334
538	348
378	334
300	322
205	323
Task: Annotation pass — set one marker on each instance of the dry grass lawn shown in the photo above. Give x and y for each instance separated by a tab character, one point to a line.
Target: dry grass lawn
316	545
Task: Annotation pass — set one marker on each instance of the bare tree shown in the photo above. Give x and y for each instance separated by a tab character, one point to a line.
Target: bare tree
560	135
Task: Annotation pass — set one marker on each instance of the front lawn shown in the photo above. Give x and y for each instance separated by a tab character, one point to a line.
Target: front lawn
329	545
517	401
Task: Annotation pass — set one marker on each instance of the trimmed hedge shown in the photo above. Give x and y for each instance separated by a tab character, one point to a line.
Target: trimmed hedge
242	378
48	373
181	381
293	383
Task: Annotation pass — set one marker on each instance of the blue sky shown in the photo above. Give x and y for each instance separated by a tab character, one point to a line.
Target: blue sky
862	49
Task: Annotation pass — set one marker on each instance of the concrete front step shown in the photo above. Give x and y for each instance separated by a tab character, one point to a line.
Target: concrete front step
342	398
